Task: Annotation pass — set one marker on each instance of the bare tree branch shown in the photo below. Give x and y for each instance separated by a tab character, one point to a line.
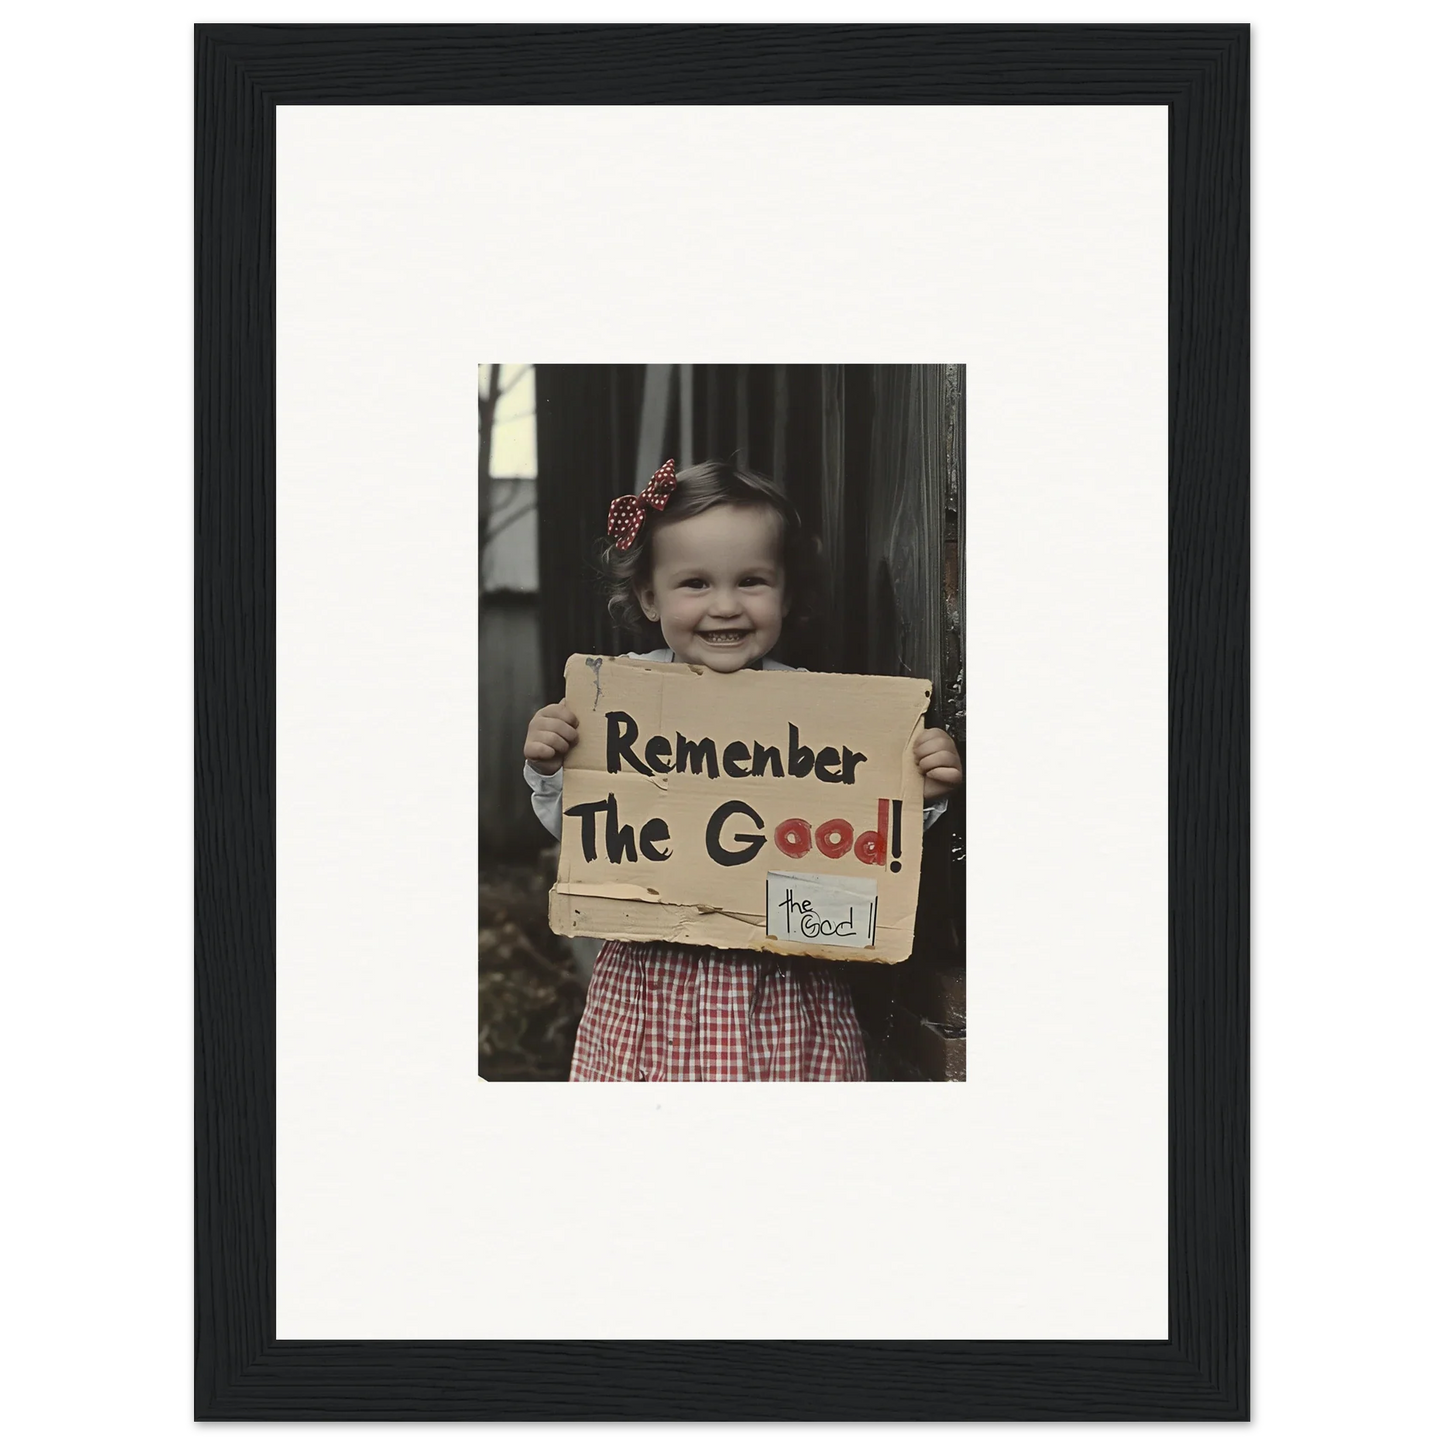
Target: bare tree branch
492	393
507	522
513	382
486	412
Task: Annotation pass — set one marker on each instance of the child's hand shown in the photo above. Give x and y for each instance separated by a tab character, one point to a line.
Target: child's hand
938	761
550	736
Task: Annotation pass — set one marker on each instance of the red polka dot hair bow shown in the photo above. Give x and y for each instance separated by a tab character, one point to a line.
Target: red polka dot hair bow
626	514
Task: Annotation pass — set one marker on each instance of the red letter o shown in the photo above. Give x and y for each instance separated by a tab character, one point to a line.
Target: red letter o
834	838
793	836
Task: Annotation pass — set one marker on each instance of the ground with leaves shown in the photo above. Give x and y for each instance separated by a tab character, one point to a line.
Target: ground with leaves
529	994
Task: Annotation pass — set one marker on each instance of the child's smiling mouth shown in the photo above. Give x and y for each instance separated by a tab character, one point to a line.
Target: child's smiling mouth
720	637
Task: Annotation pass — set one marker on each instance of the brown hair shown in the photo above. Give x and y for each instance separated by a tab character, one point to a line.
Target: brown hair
699	489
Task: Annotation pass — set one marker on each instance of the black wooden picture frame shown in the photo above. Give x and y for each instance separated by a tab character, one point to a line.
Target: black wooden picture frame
242	1371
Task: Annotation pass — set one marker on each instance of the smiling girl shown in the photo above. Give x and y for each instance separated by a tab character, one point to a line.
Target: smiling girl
714	556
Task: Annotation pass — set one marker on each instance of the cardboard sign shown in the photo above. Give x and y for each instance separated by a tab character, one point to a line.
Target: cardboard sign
777	811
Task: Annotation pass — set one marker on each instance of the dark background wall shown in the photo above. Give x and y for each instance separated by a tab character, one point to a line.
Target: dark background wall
872	456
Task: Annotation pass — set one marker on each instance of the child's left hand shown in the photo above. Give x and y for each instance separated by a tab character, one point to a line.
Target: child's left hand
938	761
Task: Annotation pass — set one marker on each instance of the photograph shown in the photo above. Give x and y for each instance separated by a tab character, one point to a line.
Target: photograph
725	841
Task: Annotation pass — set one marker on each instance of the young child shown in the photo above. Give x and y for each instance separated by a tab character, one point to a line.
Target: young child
714	555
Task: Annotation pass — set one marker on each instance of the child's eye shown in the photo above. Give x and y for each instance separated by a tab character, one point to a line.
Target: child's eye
755	582
694	582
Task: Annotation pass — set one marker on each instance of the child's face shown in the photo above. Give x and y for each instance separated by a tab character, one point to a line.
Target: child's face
717	586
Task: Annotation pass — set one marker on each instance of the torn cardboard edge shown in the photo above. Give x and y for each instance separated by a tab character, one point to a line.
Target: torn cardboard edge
630	894
618	919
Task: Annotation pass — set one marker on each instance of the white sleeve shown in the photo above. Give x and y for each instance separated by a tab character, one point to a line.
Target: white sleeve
547	789
546	797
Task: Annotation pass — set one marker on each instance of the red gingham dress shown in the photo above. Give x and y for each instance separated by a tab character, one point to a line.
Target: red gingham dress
674	1013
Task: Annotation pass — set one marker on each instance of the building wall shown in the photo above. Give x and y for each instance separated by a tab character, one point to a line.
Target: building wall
509	692
911	416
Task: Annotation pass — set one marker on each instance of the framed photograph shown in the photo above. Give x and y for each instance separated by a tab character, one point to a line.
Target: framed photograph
911	356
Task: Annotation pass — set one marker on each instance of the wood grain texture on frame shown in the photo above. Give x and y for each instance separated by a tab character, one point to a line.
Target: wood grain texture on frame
242	74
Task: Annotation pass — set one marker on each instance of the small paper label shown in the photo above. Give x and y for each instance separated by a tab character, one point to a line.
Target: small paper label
809	908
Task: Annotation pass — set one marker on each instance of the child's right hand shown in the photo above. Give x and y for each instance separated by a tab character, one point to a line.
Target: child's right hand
550	736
